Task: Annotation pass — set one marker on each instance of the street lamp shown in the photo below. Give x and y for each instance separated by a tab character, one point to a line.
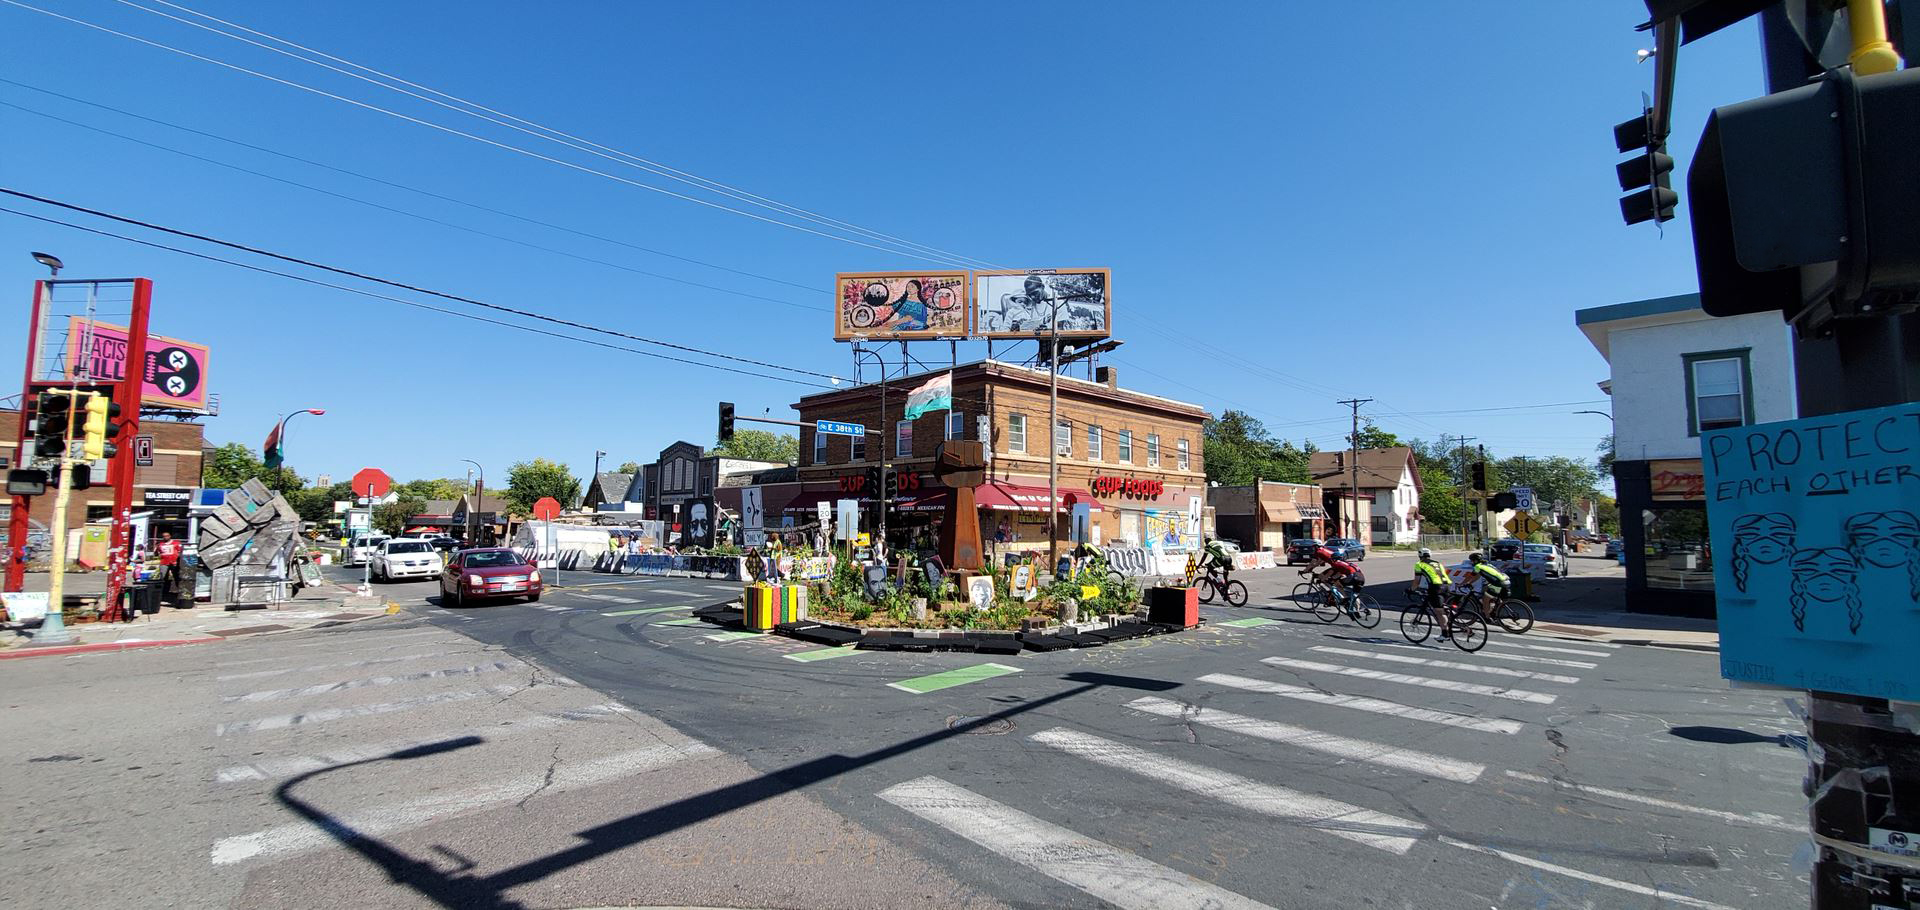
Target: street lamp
885	500
478	501
50	261
280	435
1601	413
597	455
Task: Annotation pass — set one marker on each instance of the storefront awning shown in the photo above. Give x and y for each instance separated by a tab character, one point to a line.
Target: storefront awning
1014	497
1280	512
810	502
1312	513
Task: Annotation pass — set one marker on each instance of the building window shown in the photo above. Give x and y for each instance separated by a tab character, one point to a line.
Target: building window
1153	450
956	425
903	439
706	485
1380	523
1126	447
1182	446
1719	387
1679	557
860	447
1093	443
819	453
1016	432
1063	437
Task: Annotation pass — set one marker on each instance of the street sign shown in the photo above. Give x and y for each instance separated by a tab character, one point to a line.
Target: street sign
546	508
372	482
143	451
839	428
1523	498
826	514
753	514
1522	525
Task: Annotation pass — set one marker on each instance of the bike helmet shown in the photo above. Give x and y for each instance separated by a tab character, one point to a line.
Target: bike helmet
1426	553
1475	557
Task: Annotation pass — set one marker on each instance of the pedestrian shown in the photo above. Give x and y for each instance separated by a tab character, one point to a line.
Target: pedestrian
169	550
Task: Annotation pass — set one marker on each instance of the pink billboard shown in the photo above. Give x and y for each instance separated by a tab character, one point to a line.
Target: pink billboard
175	371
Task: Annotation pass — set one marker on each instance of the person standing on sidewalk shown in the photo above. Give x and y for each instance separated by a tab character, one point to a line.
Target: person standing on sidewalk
169	552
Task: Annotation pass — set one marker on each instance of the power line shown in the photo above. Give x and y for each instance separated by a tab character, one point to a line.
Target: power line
402	301
528	314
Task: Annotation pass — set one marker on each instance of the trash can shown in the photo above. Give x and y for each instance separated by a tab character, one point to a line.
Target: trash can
143	596
1522	584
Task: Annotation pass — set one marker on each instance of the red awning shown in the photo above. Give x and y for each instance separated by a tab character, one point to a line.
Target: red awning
1015	497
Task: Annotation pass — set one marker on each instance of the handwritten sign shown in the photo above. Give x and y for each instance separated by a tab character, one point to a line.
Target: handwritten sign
1677	479
1815	525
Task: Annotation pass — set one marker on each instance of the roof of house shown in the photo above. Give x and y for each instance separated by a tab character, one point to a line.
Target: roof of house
437	507
1379	468
1597	322
488	503
613	485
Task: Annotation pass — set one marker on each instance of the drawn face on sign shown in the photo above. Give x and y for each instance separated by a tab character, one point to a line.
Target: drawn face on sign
175	372
1825	575
1765	539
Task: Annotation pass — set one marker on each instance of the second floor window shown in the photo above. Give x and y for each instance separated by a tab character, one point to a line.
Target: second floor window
1093	443
819	451
1717	393
903	439
1153	450
1063	437
1126	447
956	425
1181	446
1016	432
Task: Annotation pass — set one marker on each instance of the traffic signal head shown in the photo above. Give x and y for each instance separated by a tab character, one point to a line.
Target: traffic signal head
1647	172
726	420
891	484
100	410
1500	502
1480	476
53	420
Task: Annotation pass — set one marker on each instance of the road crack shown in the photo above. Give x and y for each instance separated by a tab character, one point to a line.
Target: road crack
553	764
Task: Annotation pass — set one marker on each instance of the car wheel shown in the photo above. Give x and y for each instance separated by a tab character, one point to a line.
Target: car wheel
452	600
533	598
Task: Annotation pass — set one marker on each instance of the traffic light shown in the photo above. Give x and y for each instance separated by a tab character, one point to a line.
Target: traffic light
892	483
1480	476
54	420
726	420
1649	172
100	410
1500	502
82	477
871	484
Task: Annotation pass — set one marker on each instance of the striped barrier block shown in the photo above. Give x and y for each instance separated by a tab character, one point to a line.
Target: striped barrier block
763	606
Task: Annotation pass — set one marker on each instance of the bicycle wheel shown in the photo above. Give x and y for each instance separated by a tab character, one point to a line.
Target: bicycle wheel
1303	596
1206	590
1366	611
1469	631
1236	593
1326	606
1514	615
1415	624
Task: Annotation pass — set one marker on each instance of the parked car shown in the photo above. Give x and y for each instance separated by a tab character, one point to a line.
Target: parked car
1544	558
489	573
1615	548
1506	549
363	548
1347	548
405	557
1301	550
444	544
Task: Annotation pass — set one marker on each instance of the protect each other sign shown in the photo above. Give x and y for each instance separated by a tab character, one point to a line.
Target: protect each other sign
1815	525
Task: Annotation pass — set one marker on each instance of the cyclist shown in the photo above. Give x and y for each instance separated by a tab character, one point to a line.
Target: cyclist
1437	583
1215	558
1494	584
1343	577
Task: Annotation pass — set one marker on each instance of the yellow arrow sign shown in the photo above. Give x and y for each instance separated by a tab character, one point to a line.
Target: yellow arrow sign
1522	525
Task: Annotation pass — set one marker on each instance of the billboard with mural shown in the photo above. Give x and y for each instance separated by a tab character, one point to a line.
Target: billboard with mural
1018	304
175	372
900	305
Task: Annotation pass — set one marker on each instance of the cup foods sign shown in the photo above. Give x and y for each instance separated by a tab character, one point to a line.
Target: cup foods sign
1128	486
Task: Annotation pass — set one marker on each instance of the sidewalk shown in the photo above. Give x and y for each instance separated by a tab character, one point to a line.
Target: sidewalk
315	606
1593	606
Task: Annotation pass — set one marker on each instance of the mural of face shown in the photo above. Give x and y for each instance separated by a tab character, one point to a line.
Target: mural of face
1765	538
175	371
1826	575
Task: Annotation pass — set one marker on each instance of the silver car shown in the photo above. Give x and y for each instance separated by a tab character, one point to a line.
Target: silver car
406	557
1544	558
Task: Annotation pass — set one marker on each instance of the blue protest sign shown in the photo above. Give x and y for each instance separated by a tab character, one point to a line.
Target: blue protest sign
1815	529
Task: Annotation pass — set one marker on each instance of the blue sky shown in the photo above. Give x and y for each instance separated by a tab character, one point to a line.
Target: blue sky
1299	205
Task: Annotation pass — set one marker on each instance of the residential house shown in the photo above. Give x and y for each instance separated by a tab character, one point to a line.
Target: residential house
609	488
1390	475
685	472
483	519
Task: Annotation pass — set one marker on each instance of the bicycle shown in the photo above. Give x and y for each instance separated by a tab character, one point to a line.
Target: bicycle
1466	628
1233	591
1363	610
1309	594
1512	614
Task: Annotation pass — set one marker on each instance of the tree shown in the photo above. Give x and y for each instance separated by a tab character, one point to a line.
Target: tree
437	488
1239	451
313	503
528	481
633	467
760	445
230	466
391	519
1372	437
1606	514
1554	479
1440	502
1605	451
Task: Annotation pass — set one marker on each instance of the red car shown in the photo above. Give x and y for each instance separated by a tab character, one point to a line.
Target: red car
486	574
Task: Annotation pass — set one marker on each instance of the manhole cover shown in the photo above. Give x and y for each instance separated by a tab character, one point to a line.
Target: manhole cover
980	726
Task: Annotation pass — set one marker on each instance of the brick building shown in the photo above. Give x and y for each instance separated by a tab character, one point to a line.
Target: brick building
1135	458
164	488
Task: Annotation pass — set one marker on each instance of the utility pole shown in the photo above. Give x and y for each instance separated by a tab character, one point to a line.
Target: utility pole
1466	485
1353	461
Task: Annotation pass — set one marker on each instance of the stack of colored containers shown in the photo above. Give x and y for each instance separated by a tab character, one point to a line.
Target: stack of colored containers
763	606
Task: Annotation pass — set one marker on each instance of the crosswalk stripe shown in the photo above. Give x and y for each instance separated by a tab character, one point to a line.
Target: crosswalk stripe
1364	826
1425	764
1448	664
258	674
735	635
326	714
730	589
1660	894
344	685
1503	643
1107	873
1516	658
415	812
1763	819
625	600
274	768
642	612
689	621
1538	698
1363	703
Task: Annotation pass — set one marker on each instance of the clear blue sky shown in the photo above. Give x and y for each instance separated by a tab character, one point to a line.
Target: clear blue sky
1407	206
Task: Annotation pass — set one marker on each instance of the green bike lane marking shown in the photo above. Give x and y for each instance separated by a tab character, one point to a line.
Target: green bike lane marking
820	654
1249	623
647	610
689	621
921	685
735	636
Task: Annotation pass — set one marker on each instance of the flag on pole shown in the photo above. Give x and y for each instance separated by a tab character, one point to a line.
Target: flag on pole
935	394
271	453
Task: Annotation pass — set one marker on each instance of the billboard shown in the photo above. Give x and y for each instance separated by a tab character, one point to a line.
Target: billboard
900	305
1018	304
175	371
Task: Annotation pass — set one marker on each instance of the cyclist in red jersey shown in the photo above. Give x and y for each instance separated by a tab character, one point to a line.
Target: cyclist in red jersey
1335	572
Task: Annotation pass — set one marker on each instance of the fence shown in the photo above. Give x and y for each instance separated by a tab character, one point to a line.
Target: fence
1443	541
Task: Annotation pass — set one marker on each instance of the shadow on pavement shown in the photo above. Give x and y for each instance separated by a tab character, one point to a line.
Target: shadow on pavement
1732	736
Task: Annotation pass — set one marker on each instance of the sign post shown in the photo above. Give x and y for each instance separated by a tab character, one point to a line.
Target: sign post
547	508
372	483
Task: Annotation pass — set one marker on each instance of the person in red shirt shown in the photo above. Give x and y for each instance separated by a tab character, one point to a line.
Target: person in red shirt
169	551
1334	572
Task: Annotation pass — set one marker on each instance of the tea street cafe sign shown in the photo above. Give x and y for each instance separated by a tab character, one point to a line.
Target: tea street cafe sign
1815	525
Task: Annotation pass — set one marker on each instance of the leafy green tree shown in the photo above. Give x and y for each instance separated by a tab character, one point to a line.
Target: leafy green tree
313	503
528	481
1440	502
633	467
1605	452
1372	437
760	445
437	488
1239	450
230	466
391	518
1554	478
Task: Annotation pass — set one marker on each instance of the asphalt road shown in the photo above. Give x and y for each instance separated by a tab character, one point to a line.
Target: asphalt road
1276	762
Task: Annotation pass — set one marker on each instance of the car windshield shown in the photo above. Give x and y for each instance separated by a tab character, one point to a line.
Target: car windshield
408	546
1539	548
490	558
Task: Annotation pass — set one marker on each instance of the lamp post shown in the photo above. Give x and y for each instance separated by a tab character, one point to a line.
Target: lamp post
478	501
597	455
881	494
280	433
1053	434
1608	416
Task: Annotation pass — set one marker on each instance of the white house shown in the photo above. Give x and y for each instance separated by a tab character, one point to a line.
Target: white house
1676	371
1390	476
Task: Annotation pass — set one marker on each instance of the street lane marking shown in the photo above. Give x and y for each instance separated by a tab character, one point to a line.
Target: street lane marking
275	768
1365	826
1538	698
1588	877
1763	819
1502	643
820	654
1362	703
412	813
641	612
257	674
683	622
1448	664
1105	872
921	685
625	600
1517	658
1249	623
344	685
326	714
736	635
1425	764
730	589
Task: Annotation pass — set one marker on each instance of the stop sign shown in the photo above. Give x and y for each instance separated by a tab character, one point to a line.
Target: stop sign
372	482
546	508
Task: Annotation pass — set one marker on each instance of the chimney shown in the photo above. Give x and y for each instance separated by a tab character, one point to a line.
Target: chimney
1108	375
